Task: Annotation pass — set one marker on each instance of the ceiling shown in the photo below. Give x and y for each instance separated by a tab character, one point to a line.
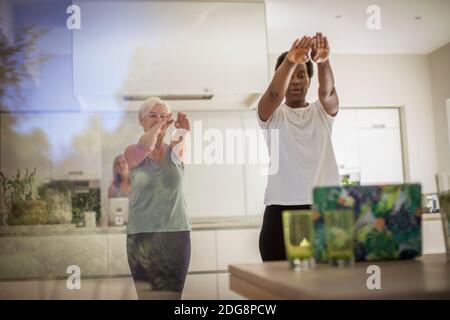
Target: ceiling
400	32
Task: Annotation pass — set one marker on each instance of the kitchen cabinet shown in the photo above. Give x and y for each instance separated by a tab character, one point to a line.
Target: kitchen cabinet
237	245
117	255
224	291
345	140
254	173
367	142
224	45
203	251
103	263
25	143
380	152
212	187
378	118
59	145
200	287
76	146
49	256
48	85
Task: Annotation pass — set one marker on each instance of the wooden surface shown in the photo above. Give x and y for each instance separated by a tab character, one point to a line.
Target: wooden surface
425	278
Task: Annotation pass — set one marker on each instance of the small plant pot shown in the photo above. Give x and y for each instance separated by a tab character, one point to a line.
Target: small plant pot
29	212
59	207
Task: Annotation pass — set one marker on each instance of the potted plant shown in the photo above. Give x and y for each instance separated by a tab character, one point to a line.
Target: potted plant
86	205
24	207
58	196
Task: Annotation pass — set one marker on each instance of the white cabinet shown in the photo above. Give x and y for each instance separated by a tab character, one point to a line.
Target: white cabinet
380	152
255	177
181	47
203	251
76	146
212	187
345	139
225	293
237	246
117	255
367	142
25	143
378	118
58	145
200	287
49	256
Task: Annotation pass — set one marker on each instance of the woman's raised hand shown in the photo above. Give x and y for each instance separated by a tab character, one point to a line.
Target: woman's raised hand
182	122
320	49
299	52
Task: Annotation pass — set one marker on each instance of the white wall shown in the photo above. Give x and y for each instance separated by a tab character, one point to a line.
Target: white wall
440	89
391	80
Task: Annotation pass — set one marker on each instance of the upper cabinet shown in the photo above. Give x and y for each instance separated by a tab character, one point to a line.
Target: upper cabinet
25	144
378	118
169	48
76	146
44	78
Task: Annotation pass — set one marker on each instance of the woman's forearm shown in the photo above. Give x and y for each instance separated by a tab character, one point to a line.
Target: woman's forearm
326	79
135	154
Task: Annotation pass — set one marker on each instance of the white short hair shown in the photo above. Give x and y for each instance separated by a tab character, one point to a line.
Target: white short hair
148	105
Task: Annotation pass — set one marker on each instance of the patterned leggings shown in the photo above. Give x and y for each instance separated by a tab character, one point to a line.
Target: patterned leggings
160	259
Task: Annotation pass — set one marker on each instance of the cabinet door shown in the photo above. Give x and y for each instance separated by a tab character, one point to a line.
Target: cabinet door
378	118
212	187
148	37
76	147
203	251
200	287
380	156
345	139
117	255
225	293
237	246
49	256
255	168
25	143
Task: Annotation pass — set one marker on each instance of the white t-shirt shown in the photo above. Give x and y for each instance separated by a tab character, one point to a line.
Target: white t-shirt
306	157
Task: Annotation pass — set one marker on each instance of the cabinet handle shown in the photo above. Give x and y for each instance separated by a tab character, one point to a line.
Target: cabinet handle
73	173
379	126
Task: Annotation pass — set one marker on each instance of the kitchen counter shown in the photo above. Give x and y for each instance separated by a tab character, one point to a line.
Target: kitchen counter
71	229
427	277
42	252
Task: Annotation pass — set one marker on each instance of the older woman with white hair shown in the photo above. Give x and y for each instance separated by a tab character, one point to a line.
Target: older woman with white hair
158	230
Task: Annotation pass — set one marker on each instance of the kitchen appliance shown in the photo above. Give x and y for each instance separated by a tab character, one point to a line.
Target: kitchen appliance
118	212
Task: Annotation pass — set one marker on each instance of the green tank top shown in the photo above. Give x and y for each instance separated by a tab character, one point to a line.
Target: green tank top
157	202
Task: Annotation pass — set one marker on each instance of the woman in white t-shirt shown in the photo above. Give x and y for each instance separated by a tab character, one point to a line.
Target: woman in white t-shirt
305	153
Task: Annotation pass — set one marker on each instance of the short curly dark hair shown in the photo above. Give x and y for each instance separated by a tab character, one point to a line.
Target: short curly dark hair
309	64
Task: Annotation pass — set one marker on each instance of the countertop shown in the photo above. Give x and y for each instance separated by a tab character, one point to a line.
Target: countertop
71	229
427	277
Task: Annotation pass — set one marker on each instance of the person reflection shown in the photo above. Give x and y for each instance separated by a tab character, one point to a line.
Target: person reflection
121	185
158	230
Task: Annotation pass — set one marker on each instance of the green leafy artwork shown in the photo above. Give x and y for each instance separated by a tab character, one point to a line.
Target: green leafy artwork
387	220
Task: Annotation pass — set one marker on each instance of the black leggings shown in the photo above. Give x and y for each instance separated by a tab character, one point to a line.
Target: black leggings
271	240
160	258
